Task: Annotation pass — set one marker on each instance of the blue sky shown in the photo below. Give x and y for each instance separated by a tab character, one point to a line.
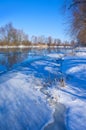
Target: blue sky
35	17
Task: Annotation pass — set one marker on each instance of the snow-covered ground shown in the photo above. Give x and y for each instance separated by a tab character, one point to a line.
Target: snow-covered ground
22	105
73	95
32	96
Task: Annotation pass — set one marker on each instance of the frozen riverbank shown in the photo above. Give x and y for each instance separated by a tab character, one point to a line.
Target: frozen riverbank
22	103
73	95
31	96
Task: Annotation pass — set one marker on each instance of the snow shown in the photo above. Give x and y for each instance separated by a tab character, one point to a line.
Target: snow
29	93
76	69
82	54
55	55
73	95
22	102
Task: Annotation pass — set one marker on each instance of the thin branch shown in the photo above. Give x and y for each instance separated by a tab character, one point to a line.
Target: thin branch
77	2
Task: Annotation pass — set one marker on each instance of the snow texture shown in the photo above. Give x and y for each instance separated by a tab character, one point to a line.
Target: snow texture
29	93
73	95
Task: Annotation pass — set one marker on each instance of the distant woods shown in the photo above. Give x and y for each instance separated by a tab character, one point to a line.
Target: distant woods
77	9
10	36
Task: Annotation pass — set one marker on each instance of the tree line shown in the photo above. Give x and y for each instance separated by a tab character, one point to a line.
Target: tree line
10	36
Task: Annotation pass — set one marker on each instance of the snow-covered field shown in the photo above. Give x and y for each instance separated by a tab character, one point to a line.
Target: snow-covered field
32	96
74	94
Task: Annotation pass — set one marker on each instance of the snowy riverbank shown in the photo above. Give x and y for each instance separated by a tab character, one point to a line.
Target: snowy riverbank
31	96
73	95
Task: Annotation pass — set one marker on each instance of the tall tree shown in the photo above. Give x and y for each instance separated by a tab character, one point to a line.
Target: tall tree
9	34
78	22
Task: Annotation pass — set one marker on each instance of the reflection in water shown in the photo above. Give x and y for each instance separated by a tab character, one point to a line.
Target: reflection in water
9	58
12	56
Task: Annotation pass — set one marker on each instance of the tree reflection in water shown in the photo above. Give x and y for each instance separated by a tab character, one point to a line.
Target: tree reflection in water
13	56
10	57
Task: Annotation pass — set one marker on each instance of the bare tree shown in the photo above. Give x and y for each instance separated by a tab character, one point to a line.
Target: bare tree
78	20
76	2
34	39
11	35
49	41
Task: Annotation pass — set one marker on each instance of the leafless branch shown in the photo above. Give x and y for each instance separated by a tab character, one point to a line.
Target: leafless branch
77	2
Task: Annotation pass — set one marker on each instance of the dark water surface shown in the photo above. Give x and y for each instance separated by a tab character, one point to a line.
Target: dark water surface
11	57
